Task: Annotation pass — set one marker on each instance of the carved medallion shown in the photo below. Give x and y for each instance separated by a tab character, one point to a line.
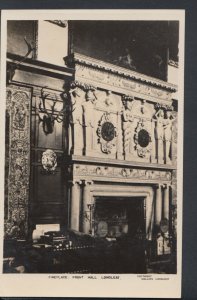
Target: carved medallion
107	133
49	161
142	140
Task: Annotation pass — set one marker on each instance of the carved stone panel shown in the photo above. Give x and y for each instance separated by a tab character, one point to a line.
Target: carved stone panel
137	129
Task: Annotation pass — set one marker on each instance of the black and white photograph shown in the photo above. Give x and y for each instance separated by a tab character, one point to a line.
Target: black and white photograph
93	145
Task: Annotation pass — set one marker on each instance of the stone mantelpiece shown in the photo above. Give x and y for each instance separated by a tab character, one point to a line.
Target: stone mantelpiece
120	164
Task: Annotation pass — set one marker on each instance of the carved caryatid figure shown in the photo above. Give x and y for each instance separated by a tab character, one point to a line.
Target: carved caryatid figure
159	125
88	107
127	119
76	108
76	121
168	134
159	132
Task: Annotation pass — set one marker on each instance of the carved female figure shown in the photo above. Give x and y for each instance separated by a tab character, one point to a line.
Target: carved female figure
88	107
168	134
159	130
76	121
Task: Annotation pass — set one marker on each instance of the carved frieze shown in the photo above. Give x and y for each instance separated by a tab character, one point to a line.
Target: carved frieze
116	81
91	63
121	173
114	78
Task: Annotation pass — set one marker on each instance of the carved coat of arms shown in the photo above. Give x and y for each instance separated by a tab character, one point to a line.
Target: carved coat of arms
49	160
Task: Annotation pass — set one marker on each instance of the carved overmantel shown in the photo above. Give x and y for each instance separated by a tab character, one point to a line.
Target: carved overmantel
120	114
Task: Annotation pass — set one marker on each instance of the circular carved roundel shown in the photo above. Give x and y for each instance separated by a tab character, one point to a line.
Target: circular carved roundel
108	131
143	138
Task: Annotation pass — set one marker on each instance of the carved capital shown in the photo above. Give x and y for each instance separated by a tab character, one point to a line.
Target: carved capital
84	86
75	182
167	186
88	182
126	100
158	186
159	106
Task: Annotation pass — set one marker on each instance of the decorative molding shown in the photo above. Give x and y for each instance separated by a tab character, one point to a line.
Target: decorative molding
110	68
16	226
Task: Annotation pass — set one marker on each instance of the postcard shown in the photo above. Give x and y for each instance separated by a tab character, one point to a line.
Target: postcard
92	153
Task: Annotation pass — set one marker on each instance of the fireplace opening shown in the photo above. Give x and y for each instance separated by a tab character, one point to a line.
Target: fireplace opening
116	216
119	227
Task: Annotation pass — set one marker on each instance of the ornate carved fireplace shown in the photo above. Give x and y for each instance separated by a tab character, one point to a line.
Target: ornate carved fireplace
122	145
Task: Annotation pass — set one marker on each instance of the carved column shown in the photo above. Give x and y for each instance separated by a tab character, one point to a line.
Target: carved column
127	126
75	205
149	214
166	202
119	138
174	141
86	210
153	154
158	207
